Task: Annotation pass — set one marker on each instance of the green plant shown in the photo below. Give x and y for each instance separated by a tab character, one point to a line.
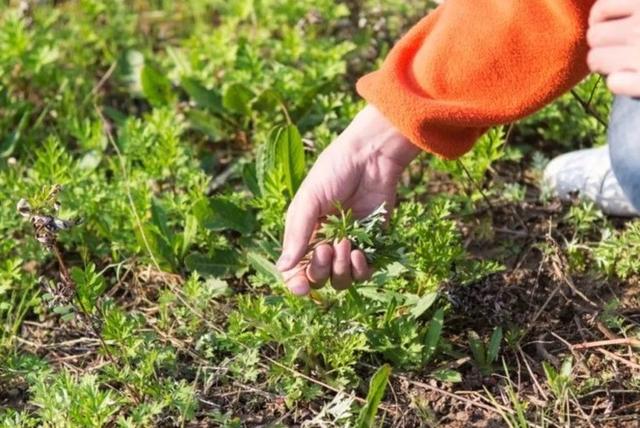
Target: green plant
517	419
484	355
367	234
179	132
559	382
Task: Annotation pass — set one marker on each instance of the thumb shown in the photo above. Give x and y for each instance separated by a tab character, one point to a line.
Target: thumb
300	223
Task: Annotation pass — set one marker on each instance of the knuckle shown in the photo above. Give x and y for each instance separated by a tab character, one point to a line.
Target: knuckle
596	12
593	38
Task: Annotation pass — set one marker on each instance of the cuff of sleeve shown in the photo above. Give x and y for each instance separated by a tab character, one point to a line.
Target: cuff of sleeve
446	141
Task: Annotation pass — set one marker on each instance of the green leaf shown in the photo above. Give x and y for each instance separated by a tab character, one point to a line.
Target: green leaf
447	375
221	214
156	87
90	161
250	177
423	304
268	101
281	160
8	144
494	345
203	97
377	387
158	245
264	166
289	156
160	220
263	266
237	99
207	124
566	368
89	286
190	232
433	334
129	70
477	348
218	264
549	371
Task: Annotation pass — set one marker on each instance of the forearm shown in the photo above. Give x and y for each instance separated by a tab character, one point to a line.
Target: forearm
473	64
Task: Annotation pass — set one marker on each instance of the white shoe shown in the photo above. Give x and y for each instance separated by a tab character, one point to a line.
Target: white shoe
588	174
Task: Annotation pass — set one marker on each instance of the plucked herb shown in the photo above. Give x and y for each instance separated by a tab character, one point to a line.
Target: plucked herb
367	234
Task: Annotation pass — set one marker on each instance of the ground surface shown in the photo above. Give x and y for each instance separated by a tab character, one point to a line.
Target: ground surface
501	307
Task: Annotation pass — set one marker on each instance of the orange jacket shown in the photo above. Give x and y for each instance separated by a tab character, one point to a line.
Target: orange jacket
473	64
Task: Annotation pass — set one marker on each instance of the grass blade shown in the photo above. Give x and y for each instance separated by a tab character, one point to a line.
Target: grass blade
377	386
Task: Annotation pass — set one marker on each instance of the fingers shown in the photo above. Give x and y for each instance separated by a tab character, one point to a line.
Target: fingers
297	281
319	268
301	220
605	10
624	83
612	59
337	262
359	267
341	271
611	33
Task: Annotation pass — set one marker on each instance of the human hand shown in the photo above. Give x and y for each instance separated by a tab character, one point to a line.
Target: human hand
614	38
360	171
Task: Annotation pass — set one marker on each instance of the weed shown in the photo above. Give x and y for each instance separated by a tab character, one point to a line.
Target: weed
179	132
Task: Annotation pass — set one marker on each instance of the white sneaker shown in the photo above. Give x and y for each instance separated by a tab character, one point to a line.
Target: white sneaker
588	174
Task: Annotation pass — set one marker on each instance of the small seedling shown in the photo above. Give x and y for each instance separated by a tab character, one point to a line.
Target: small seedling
485	355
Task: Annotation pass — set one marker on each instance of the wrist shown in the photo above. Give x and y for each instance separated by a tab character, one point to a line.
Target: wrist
372	135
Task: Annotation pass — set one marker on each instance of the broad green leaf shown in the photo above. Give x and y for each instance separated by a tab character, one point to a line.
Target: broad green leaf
268	101
237	99
433	334
221	214
289	156
262	265
156	87
377	387
266	169
494	345
423	304
154	241
220	263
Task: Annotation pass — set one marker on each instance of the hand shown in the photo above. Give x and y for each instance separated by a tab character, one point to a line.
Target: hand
614	38
360	170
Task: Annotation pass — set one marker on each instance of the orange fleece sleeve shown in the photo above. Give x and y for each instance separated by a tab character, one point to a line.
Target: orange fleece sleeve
473	64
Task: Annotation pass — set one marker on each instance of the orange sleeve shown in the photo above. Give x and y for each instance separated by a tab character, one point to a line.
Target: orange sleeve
473	64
